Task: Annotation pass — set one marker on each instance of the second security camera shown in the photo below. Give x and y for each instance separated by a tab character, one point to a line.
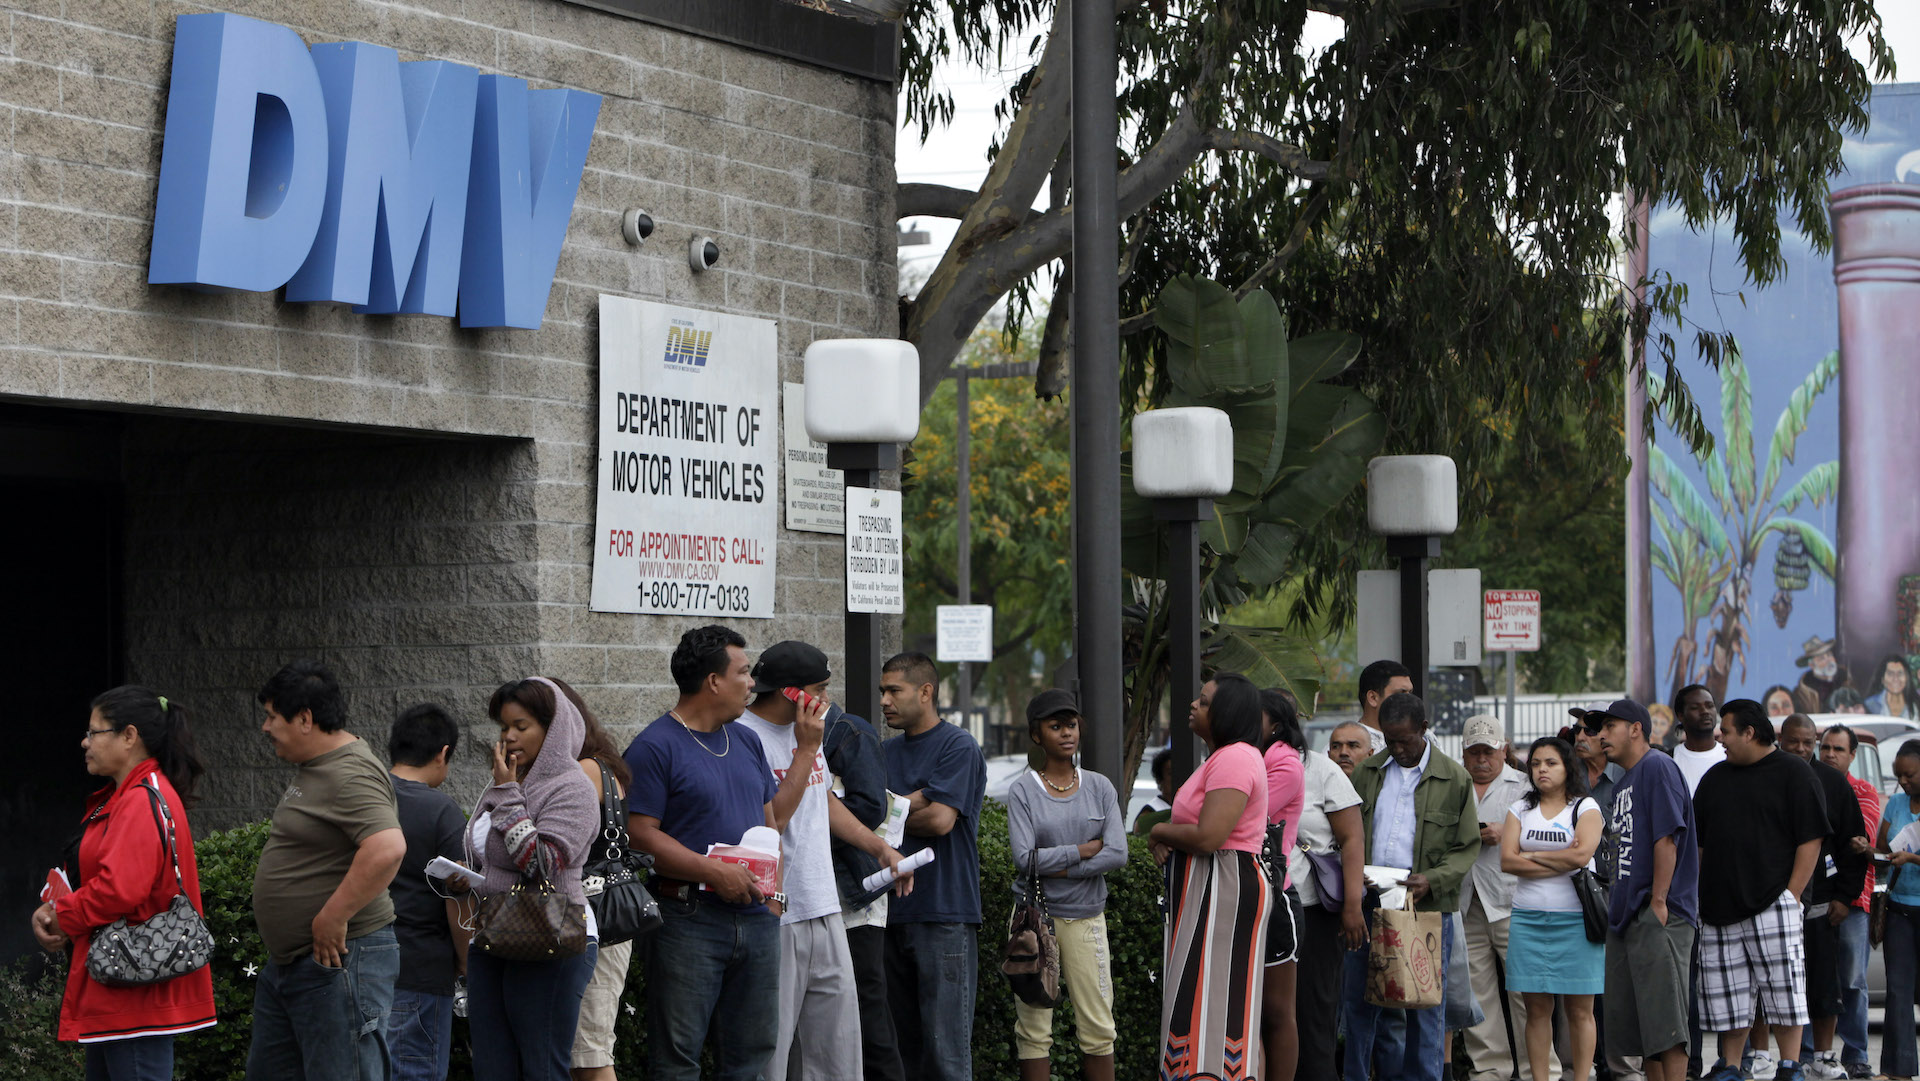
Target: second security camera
702	253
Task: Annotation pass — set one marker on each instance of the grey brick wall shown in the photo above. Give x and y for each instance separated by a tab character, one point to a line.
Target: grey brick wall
419	567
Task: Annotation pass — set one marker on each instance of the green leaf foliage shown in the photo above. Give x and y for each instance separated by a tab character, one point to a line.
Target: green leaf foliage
1793	419
1446	196
1736	428
1021	519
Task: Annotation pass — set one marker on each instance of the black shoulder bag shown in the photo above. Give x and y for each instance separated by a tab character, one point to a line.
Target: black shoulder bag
166	945
612	879
1593	893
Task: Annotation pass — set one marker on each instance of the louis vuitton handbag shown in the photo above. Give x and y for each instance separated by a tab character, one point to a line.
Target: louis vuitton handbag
533	921
165	946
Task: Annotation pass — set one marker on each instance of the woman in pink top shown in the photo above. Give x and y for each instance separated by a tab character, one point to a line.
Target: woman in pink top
1286	792
1218	894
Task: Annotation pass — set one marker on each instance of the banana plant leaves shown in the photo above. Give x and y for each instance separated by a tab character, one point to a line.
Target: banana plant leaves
1301	444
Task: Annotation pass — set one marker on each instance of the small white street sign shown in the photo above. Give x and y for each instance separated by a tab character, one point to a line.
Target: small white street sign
876	579
1512	620
964	632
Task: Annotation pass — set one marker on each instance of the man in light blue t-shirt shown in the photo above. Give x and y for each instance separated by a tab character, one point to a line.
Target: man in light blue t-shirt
933	932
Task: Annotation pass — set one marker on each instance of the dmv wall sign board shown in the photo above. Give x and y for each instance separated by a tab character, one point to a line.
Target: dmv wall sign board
686	520
348	176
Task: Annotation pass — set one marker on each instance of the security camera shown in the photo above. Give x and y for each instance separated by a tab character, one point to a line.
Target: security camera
702	253
636	225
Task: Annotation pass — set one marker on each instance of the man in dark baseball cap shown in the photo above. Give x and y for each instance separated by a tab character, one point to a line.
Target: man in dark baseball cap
789	664
1652	853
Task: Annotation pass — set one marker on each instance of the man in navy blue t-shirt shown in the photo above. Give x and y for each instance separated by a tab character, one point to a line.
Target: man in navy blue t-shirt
933	932
715	962
1654	860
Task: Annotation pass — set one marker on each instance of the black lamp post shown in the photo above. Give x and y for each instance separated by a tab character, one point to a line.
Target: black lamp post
1182	459
1412	500
863	401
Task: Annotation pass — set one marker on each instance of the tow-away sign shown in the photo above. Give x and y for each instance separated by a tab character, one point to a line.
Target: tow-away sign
1511	618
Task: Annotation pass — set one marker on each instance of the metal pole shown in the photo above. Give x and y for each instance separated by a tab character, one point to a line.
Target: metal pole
1096	387
1512	683
1413	553
1641	666
860	465
1183	518
963	541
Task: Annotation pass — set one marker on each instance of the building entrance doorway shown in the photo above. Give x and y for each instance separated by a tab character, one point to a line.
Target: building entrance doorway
59	641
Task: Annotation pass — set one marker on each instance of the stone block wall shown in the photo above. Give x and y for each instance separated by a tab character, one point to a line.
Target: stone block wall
281	498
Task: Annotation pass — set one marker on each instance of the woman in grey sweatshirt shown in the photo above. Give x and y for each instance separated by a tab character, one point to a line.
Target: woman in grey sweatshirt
1066	826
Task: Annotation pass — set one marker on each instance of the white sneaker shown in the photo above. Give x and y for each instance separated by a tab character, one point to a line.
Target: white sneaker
1825	1065
1763	1066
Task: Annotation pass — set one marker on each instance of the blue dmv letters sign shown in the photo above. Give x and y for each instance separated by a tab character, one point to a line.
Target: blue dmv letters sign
348	176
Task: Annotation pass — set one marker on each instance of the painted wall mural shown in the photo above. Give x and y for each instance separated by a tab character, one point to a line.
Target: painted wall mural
1786	560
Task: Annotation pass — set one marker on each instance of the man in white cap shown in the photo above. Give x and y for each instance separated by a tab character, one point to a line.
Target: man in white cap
1486	898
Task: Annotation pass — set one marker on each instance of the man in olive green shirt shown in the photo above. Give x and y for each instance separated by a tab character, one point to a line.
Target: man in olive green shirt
1418	809
320	893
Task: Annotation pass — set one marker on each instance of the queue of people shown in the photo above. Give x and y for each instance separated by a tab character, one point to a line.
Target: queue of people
1602	905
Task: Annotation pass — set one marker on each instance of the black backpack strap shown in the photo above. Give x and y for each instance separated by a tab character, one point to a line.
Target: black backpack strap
163	820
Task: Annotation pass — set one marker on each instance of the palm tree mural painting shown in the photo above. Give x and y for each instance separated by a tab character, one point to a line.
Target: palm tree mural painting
1711	542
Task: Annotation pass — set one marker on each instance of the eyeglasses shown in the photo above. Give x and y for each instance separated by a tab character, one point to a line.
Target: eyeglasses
92	732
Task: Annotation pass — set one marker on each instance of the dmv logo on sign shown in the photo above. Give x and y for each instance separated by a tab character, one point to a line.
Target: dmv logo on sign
348	176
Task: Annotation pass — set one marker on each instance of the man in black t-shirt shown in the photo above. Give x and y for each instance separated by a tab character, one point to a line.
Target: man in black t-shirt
433	942
1837	884
1760	819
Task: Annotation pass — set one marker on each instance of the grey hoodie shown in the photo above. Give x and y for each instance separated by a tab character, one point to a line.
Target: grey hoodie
557	797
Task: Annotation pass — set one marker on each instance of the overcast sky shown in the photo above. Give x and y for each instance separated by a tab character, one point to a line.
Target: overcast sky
957	155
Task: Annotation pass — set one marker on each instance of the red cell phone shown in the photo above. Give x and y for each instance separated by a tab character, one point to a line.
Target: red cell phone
799	697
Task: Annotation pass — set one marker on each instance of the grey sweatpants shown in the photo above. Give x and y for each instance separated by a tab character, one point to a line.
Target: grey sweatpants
819	1005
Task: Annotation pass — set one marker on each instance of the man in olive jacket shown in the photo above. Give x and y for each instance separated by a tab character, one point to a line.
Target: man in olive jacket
1418	808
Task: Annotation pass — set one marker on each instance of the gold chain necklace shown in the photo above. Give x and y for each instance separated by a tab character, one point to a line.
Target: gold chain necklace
675	714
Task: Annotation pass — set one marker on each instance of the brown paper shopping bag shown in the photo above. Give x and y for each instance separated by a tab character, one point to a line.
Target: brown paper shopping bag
1404	962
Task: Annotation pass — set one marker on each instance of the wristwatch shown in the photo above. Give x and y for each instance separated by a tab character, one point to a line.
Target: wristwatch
779	899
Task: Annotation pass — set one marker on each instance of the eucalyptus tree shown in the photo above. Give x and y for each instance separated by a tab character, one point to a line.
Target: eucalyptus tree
1444	179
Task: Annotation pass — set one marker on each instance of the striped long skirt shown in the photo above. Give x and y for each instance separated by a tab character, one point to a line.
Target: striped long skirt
1211	984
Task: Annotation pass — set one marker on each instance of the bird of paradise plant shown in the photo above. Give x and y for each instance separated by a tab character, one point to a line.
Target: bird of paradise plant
1711	542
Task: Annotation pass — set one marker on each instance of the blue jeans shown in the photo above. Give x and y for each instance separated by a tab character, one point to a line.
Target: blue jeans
325	1024
939	962
1902	952
1419	1058
1851	1025
143	1058
711	969
521	1015
420	1035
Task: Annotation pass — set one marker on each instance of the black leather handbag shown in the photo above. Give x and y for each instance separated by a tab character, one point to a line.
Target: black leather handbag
614	880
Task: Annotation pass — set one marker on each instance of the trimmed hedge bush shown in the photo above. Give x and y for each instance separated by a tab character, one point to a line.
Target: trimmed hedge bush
227	862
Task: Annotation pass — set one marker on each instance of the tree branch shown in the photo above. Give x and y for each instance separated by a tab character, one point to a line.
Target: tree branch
1343	8
932	200
1289	157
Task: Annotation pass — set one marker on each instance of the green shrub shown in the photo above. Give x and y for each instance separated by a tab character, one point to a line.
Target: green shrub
31	988
1134	933
227	860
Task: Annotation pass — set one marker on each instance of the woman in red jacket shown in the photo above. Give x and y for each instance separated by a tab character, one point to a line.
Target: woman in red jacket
119	870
